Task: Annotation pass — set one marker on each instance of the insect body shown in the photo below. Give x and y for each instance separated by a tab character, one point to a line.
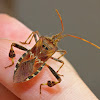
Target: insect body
32	62
36	57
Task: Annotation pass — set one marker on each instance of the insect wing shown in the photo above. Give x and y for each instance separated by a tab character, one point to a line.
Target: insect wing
24	70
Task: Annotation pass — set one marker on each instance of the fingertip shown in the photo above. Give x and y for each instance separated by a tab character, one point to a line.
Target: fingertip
4	15
12	29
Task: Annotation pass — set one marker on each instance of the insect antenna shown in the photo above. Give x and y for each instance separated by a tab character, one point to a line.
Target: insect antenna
61	22
82	40
56	38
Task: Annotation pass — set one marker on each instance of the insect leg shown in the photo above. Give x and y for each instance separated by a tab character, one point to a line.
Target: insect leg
51	83
57	59
63	51
12	53
33	34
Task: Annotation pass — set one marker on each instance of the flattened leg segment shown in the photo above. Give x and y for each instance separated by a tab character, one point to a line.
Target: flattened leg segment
51	83
12	53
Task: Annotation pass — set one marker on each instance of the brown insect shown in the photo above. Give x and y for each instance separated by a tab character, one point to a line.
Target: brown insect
32	62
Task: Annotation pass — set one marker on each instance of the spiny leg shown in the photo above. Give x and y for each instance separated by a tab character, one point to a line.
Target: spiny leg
56	59
51	83
12	53
33	34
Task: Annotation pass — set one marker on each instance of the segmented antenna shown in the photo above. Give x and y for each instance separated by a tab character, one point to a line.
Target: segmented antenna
56	38
83	40
61	21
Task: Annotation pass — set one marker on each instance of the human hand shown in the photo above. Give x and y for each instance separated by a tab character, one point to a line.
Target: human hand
71	87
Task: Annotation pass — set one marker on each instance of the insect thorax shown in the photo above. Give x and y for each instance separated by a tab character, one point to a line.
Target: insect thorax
44	48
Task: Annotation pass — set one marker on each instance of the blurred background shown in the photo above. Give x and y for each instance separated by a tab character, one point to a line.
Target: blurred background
80	18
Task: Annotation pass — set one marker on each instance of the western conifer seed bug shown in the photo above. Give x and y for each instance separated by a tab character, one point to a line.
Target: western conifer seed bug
32	62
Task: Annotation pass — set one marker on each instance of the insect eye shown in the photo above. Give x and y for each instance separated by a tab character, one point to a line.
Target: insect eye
43	46
46	48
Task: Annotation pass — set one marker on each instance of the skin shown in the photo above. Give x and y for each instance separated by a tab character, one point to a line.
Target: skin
71	87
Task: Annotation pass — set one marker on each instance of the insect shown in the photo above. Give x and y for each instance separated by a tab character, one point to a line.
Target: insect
34	59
